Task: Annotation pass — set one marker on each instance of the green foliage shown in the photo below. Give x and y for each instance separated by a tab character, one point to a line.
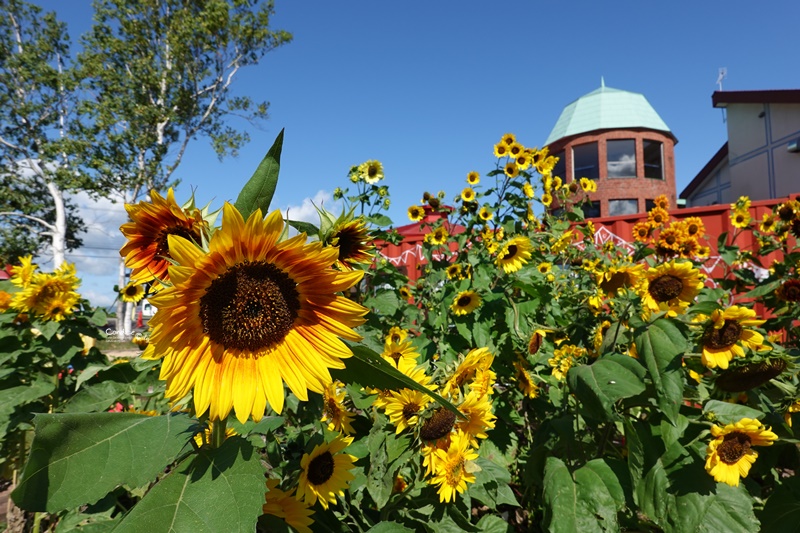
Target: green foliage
258	191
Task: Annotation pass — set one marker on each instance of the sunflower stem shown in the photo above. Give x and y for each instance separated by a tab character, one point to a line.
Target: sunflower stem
218	432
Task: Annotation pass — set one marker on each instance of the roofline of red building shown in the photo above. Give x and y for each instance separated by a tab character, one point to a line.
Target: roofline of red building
721	154
772	96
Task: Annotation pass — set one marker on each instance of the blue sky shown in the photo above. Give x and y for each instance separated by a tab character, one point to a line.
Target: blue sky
427	87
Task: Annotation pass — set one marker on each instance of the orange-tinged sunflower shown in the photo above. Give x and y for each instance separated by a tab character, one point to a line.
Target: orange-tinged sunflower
730	455
724	337
789	291
694	227
514	254
334	411
249	315
657	216
147	250
642	231
325	472
661	201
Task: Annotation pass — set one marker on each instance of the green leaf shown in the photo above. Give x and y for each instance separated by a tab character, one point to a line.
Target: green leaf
600	385
384	303
257	193
660	346
491	485
781	514
98	397
728	413
304	227
379	220
570	506
612	475
729	509
369	369
389	527
218	490
493	524
763	290
78	458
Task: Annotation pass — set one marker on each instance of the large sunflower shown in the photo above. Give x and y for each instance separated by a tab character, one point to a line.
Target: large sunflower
725	336
477	409
325	472
514	254
147	251
477	364
730	455
465	302
250	314
670	287
452	467
52	295
617	277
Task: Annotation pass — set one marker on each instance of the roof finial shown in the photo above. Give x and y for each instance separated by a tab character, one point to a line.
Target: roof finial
602	82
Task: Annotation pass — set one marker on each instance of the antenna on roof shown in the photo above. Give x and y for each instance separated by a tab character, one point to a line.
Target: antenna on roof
723	73
602	82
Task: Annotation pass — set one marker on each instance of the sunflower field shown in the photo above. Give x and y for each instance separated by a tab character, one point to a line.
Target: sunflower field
524	379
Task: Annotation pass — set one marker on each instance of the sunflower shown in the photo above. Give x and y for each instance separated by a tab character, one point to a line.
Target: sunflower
657	216
371	171
333	410
485	214
416	213
325	472
789	291
514	254
525	381
511	169
642	231
478	417
473	178
465	302
787	211
402	355
5	301
395	335
251	314
564	358
625	276
527	190
284	505
132	292
536	340
500	149
508	139
544	267
403	407
438	425
453	466
694	227
523	160
203	438
52	295
405	293
724	337
438	236
454	271
740	218
22	275
515	149
669	241
670	287
147	250
354	243
730	455
661	201
476	366
547	199
468	194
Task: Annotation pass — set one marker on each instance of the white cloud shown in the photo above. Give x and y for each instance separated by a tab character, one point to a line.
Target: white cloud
306	211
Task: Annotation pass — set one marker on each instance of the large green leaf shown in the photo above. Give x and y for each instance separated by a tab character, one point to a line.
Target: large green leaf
97	397
583	504
258	191
728	413
491	484
78	458
600	385
217	490
782	512
369	369
660	346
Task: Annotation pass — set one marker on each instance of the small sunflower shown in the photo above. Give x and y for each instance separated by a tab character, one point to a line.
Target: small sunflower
249	315
564	358
132	292
670	286
5	301
500	149
474	367
787	211
658	216
284	505
586	184
405	293
396	335
465	302
511	169
527	189
371	171
147	250
740	218
544	267
354	243
454	271
485	214
438	236
478	417
523	161
525	381
514	254
468	194
642	231
669	240
452	469
333	410
789	291
724	337
547	199
416	213
403	407
325	472
508	139
730	455
661	201
624	276
22	275
515	150
694	227
473	178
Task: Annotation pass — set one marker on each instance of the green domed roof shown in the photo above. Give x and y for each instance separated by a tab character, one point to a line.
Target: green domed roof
606	108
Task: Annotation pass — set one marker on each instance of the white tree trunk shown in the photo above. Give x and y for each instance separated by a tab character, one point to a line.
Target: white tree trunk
127	324
59	236
120	304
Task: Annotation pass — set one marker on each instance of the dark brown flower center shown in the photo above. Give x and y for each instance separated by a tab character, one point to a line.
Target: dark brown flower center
613	284
464	301
790	290
724	337
131	291
511	252
786	213
535	343
409	410
734	446
162	242
693	229
665	288
750	376
253	305
438	425
372	171
348	243
320	468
